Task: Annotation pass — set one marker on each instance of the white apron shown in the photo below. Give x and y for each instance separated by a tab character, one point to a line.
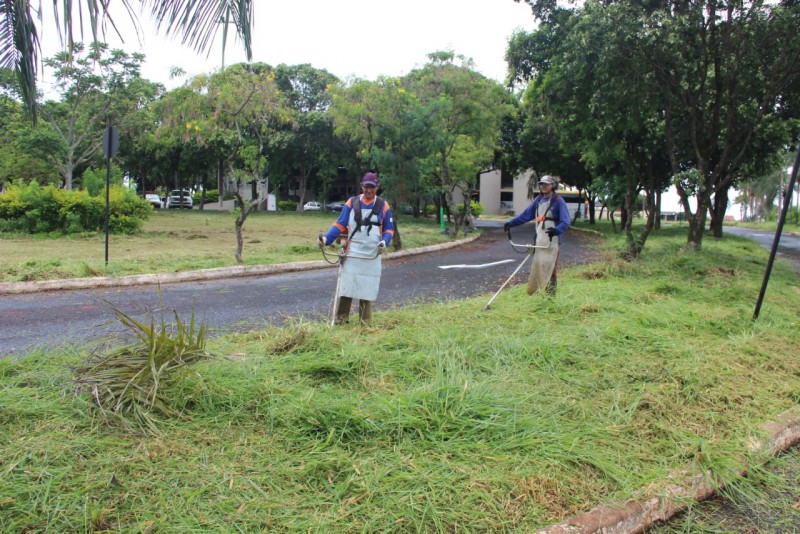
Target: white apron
544	259
360	276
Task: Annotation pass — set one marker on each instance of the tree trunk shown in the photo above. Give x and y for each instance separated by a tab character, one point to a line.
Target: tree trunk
657	222
244	211
718	212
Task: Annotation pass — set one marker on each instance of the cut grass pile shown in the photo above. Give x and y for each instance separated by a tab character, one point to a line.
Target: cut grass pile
440	417
176	241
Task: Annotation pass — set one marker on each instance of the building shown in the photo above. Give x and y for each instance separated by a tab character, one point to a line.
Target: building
500	196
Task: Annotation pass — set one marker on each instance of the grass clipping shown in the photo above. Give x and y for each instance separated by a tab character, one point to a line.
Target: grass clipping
128	382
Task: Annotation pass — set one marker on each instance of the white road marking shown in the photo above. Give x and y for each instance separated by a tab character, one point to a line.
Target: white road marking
482	266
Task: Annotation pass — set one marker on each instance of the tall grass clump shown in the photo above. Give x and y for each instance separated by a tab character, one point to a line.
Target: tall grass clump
129	382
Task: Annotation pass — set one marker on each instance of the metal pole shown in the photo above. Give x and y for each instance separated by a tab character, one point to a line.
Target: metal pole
787	200
108	186
507	281
335	306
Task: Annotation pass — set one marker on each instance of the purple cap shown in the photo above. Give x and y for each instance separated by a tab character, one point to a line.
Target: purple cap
370	179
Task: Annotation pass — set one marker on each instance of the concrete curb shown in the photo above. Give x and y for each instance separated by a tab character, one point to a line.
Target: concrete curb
636	516
16	288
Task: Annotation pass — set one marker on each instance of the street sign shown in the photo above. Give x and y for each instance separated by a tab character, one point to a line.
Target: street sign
111	141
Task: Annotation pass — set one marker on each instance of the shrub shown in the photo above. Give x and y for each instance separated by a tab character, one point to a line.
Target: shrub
287	205
474	207
36	209
212	195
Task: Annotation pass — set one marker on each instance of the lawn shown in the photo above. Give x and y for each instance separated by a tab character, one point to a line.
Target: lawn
440	417
175	241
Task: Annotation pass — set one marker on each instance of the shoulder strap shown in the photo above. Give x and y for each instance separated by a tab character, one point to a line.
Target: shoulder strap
355	204
553	198
377	208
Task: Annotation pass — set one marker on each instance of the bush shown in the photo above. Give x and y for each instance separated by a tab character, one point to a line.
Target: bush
287	205
35	209
212	195
474	207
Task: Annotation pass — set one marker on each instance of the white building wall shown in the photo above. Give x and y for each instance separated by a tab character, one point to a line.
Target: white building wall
490	192
521	199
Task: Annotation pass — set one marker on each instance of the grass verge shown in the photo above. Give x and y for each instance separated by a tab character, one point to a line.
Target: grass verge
435	418
176	241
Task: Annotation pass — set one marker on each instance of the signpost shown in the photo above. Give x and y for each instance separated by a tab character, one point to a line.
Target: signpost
110	147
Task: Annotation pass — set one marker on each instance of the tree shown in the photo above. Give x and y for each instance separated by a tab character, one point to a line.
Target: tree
196	21
723	69
22	159
97	88
716	80
302	149
464	111
388	125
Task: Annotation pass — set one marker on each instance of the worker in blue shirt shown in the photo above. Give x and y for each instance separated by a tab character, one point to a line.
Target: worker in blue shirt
366	220
551	214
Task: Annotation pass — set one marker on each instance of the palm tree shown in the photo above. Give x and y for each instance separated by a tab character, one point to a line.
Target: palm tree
196	21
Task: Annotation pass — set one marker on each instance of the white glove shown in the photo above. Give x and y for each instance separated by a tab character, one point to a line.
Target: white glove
322	241
382	245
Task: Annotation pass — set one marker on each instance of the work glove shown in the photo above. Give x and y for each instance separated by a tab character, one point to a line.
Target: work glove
506	227
552	232
321	241
381	246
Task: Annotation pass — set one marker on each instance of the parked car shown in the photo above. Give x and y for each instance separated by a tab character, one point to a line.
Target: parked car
312	206
175	197
335	206
154	200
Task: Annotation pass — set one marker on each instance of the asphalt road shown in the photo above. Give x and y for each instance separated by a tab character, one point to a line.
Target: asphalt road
788	245
51	318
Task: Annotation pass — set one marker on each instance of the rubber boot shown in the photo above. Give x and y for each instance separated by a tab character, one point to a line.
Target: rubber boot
365	311
343	310
551	287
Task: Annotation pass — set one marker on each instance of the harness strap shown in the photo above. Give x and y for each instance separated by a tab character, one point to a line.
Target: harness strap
377	208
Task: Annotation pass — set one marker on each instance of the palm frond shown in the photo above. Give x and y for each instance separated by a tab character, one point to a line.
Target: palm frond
19	46
198	21
129	381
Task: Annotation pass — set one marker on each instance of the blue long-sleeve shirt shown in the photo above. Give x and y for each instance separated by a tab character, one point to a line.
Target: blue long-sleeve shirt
558	211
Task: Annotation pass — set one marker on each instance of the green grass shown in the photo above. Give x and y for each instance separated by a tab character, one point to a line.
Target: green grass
182	241
440	417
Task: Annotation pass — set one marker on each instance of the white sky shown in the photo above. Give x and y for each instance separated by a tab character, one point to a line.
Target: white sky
364	38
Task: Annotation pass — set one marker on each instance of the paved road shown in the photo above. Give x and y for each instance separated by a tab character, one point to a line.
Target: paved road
241	304
788	246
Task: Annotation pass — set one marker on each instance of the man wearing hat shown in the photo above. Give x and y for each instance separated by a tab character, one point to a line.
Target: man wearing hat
366	220
550	212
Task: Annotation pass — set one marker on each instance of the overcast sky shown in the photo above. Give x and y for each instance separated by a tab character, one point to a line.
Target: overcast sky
364	38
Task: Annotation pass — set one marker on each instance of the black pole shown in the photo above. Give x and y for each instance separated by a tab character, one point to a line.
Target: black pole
108	186
787	199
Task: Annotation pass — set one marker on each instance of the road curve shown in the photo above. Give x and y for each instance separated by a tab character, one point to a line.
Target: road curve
240	304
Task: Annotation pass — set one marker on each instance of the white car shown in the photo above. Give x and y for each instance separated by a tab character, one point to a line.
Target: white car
312	206
154	200
175	197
